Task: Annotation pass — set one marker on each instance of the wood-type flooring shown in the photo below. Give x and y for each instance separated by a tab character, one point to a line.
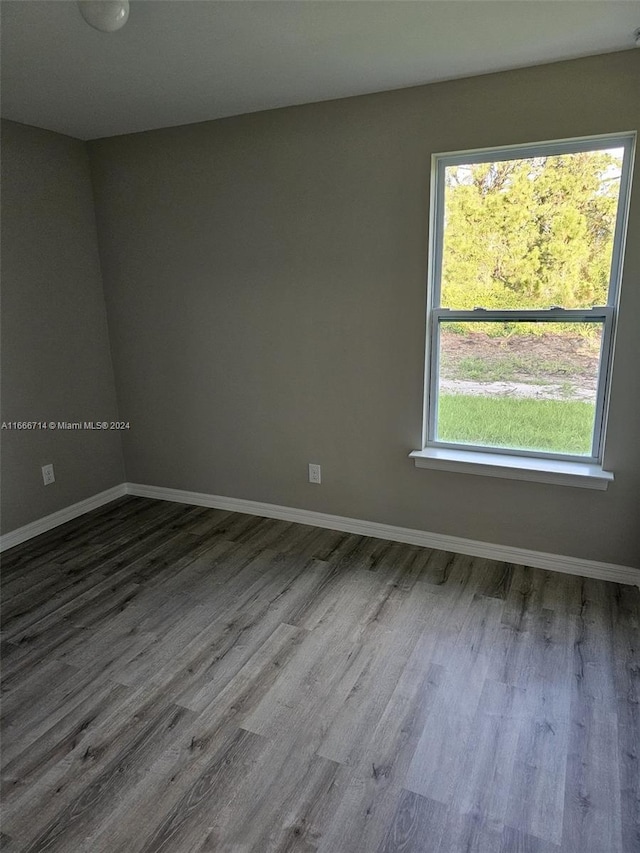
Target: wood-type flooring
191	680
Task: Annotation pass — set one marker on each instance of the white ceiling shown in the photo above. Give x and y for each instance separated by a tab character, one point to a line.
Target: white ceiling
182	61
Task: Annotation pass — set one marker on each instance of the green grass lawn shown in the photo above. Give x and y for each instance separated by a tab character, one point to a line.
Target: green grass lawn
558	426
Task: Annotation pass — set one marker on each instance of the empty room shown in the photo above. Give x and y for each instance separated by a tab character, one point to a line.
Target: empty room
320	418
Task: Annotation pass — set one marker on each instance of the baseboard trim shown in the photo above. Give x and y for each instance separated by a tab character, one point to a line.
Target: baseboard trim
472	547
35	528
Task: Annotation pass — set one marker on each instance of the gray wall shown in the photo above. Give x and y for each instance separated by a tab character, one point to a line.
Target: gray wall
56	362
265	285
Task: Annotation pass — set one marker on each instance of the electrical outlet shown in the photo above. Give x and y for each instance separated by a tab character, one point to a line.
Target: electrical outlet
48	476
314	474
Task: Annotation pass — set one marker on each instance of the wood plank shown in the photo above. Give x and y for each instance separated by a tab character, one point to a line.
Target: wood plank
485	781
194	680
388	651
416	826
183	826
64	693
286	822
367	805
34	755
238	634
537	790
592	807
439	755
75	821
625	627
517	841
177	769
469	832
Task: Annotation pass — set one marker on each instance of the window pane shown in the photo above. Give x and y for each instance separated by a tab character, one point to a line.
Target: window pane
516	385
530	233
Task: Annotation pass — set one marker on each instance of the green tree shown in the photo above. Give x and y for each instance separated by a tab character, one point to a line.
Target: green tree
530	233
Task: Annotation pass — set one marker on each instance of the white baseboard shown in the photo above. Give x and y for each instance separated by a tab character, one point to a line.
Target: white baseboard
16	537
475	548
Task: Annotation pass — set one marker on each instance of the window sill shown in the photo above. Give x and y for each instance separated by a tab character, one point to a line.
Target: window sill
562	473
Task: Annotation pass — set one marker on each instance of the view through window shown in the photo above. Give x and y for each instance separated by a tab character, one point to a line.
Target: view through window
527	253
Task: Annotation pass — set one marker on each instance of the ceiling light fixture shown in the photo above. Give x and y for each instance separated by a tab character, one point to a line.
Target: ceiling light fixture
105	15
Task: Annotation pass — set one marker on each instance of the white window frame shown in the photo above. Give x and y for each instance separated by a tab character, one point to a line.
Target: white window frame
435	451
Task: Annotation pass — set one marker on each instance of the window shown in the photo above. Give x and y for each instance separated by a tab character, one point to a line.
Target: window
525	264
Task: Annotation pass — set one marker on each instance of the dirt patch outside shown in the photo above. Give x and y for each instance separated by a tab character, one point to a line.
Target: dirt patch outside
548	366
